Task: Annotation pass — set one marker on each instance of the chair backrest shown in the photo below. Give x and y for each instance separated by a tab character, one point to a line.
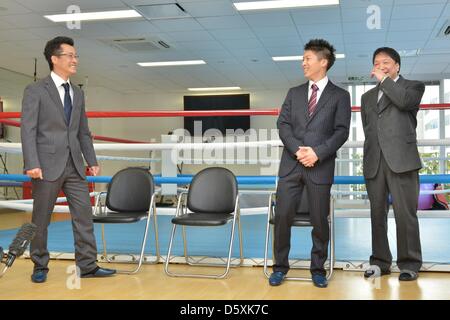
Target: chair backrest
130	190
213	190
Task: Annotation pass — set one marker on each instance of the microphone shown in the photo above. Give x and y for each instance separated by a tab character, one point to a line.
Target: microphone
20	243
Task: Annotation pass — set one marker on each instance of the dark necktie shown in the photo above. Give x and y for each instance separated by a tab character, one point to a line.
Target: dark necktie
381	99
67	102
313	99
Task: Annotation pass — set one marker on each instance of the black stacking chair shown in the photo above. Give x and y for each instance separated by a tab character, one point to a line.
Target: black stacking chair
301	219
130	198
212	201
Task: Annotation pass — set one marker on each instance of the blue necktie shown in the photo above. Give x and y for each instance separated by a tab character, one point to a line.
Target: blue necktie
67	102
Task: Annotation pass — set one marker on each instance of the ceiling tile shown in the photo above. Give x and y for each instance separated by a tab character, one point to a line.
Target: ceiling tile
223	22
208	8
189	36
419	11
177	25
10	7
273	19
275	32
310	16
409	25
226	34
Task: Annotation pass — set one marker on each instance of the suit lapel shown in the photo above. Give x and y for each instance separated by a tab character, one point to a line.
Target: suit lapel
324	97
373	99
304	100
385	101
54	95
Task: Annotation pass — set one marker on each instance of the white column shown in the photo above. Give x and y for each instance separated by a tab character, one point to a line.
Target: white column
168	165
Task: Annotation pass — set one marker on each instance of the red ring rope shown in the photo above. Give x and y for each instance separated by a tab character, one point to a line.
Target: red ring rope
202	113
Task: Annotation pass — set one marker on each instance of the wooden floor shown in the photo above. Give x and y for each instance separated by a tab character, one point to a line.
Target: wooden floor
245	283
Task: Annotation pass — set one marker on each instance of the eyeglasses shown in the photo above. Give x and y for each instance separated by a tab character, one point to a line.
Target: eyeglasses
70	55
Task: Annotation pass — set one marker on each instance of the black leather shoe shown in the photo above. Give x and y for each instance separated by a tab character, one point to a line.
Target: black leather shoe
319	281
98	273
277	278
39	276
408	275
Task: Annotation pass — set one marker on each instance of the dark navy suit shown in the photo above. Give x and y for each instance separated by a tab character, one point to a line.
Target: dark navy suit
325	131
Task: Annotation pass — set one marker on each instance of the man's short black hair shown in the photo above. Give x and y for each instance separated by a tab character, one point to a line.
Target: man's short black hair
390	52
324	49
53	48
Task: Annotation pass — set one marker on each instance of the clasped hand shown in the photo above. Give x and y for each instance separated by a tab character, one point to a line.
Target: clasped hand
306	156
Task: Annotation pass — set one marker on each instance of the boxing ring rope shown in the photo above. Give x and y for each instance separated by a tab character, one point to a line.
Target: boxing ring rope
243	180
202	113
131	145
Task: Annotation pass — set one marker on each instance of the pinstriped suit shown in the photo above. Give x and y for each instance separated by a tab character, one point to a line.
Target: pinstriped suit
325	131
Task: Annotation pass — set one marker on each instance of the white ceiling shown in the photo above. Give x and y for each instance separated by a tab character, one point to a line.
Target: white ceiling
237	46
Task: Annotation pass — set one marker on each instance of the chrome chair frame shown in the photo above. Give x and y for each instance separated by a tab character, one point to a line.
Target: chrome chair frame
182	209
100	209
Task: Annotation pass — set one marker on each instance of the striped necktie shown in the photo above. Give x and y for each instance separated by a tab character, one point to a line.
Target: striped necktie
313	99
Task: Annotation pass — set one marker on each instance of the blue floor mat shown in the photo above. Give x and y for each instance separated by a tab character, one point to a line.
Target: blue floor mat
353	238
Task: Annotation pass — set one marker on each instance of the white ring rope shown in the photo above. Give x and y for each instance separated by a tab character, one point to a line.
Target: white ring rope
17	148
129	159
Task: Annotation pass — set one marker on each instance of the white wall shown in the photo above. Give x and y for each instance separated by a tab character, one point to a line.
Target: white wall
150	129
143	129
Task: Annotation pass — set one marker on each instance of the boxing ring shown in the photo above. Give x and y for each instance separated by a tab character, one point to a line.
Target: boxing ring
171	183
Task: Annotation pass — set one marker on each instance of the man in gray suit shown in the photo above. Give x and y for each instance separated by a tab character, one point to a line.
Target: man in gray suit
392	163
313	124
55	137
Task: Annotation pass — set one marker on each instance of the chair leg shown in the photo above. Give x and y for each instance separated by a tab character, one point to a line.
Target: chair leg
166	263
266	245
330	273
141	256
198	262
105	253
241	252
155	229
152	212
144	241
213	276
185	251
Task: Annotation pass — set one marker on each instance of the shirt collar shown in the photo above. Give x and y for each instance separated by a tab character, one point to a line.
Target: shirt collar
321	84
58	80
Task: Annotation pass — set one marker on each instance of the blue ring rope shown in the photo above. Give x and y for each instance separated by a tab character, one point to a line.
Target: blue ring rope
244	180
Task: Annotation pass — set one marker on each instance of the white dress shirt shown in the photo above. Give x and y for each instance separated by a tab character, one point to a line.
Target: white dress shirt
321	84
59	85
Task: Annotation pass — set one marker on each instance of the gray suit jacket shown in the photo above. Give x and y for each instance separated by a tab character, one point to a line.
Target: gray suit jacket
390	126
46	139
325	131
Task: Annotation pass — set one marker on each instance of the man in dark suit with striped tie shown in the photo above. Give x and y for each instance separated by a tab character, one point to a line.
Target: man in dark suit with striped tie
313	124
55	137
